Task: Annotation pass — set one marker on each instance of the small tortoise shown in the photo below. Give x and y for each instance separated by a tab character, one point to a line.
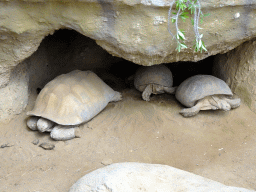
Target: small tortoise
155	79
68	101
205	92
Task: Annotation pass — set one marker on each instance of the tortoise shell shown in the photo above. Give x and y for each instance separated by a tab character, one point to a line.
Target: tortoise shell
72	98
199	86
156	74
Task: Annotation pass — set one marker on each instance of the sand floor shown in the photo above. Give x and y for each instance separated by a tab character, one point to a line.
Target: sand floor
215	144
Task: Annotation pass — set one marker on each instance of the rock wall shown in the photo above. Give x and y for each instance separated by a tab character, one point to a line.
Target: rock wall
14	97
238	69
133	30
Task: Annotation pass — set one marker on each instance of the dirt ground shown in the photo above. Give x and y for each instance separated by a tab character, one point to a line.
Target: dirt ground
214	144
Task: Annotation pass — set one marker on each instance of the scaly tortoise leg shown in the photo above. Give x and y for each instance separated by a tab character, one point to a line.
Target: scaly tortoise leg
63	133
189	112
116	97
170	90
147	92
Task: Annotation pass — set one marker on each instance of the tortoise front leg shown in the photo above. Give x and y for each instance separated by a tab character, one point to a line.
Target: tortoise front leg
189	112
63	133
147	92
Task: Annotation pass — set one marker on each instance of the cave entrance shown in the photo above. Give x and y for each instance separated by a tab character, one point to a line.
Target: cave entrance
67	50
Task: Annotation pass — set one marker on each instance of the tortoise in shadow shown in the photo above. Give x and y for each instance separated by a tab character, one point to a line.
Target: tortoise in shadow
154	79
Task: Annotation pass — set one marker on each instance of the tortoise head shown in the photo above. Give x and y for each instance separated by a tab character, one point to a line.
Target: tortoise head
220	103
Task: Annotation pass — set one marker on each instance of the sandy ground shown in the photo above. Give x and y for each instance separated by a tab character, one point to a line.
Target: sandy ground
214	144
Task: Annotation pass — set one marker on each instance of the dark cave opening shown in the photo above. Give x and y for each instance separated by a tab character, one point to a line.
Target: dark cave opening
67	50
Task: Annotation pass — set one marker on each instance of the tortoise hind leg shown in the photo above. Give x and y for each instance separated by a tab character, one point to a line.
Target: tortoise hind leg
116	97
147	92
234	103
170	90
189	112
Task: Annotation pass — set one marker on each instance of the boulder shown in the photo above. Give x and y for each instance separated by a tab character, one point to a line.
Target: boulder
131	177
238	69
134	30
14	97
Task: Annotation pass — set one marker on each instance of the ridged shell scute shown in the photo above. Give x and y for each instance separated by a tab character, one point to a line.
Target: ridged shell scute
73	98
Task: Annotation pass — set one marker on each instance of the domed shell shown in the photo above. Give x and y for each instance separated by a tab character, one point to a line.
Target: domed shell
200	86
72	98
156	74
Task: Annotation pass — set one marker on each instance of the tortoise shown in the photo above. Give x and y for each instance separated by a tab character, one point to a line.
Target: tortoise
68	101
205	92
154	79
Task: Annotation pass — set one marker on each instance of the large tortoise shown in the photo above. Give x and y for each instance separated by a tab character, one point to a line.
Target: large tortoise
68	101
205	92
154	79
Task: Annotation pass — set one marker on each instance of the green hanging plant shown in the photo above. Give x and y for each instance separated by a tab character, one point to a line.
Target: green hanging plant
182	8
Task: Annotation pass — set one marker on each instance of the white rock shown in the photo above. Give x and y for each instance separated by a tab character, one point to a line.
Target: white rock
129	177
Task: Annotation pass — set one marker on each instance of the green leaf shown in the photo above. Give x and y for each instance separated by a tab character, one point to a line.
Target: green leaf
181	34
192	21
203	46
183	18
184	13
199	43
183	7
178	47
186	7
183	45
191	7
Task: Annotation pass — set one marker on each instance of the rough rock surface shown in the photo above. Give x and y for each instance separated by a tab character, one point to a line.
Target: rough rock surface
134	30
14	97
127	177
55	56
238	69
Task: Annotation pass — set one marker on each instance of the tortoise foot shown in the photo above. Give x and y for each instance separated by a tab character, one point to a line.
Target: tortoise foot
32	123
146	96
189	112
63	133
117	96
45	125
147	92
